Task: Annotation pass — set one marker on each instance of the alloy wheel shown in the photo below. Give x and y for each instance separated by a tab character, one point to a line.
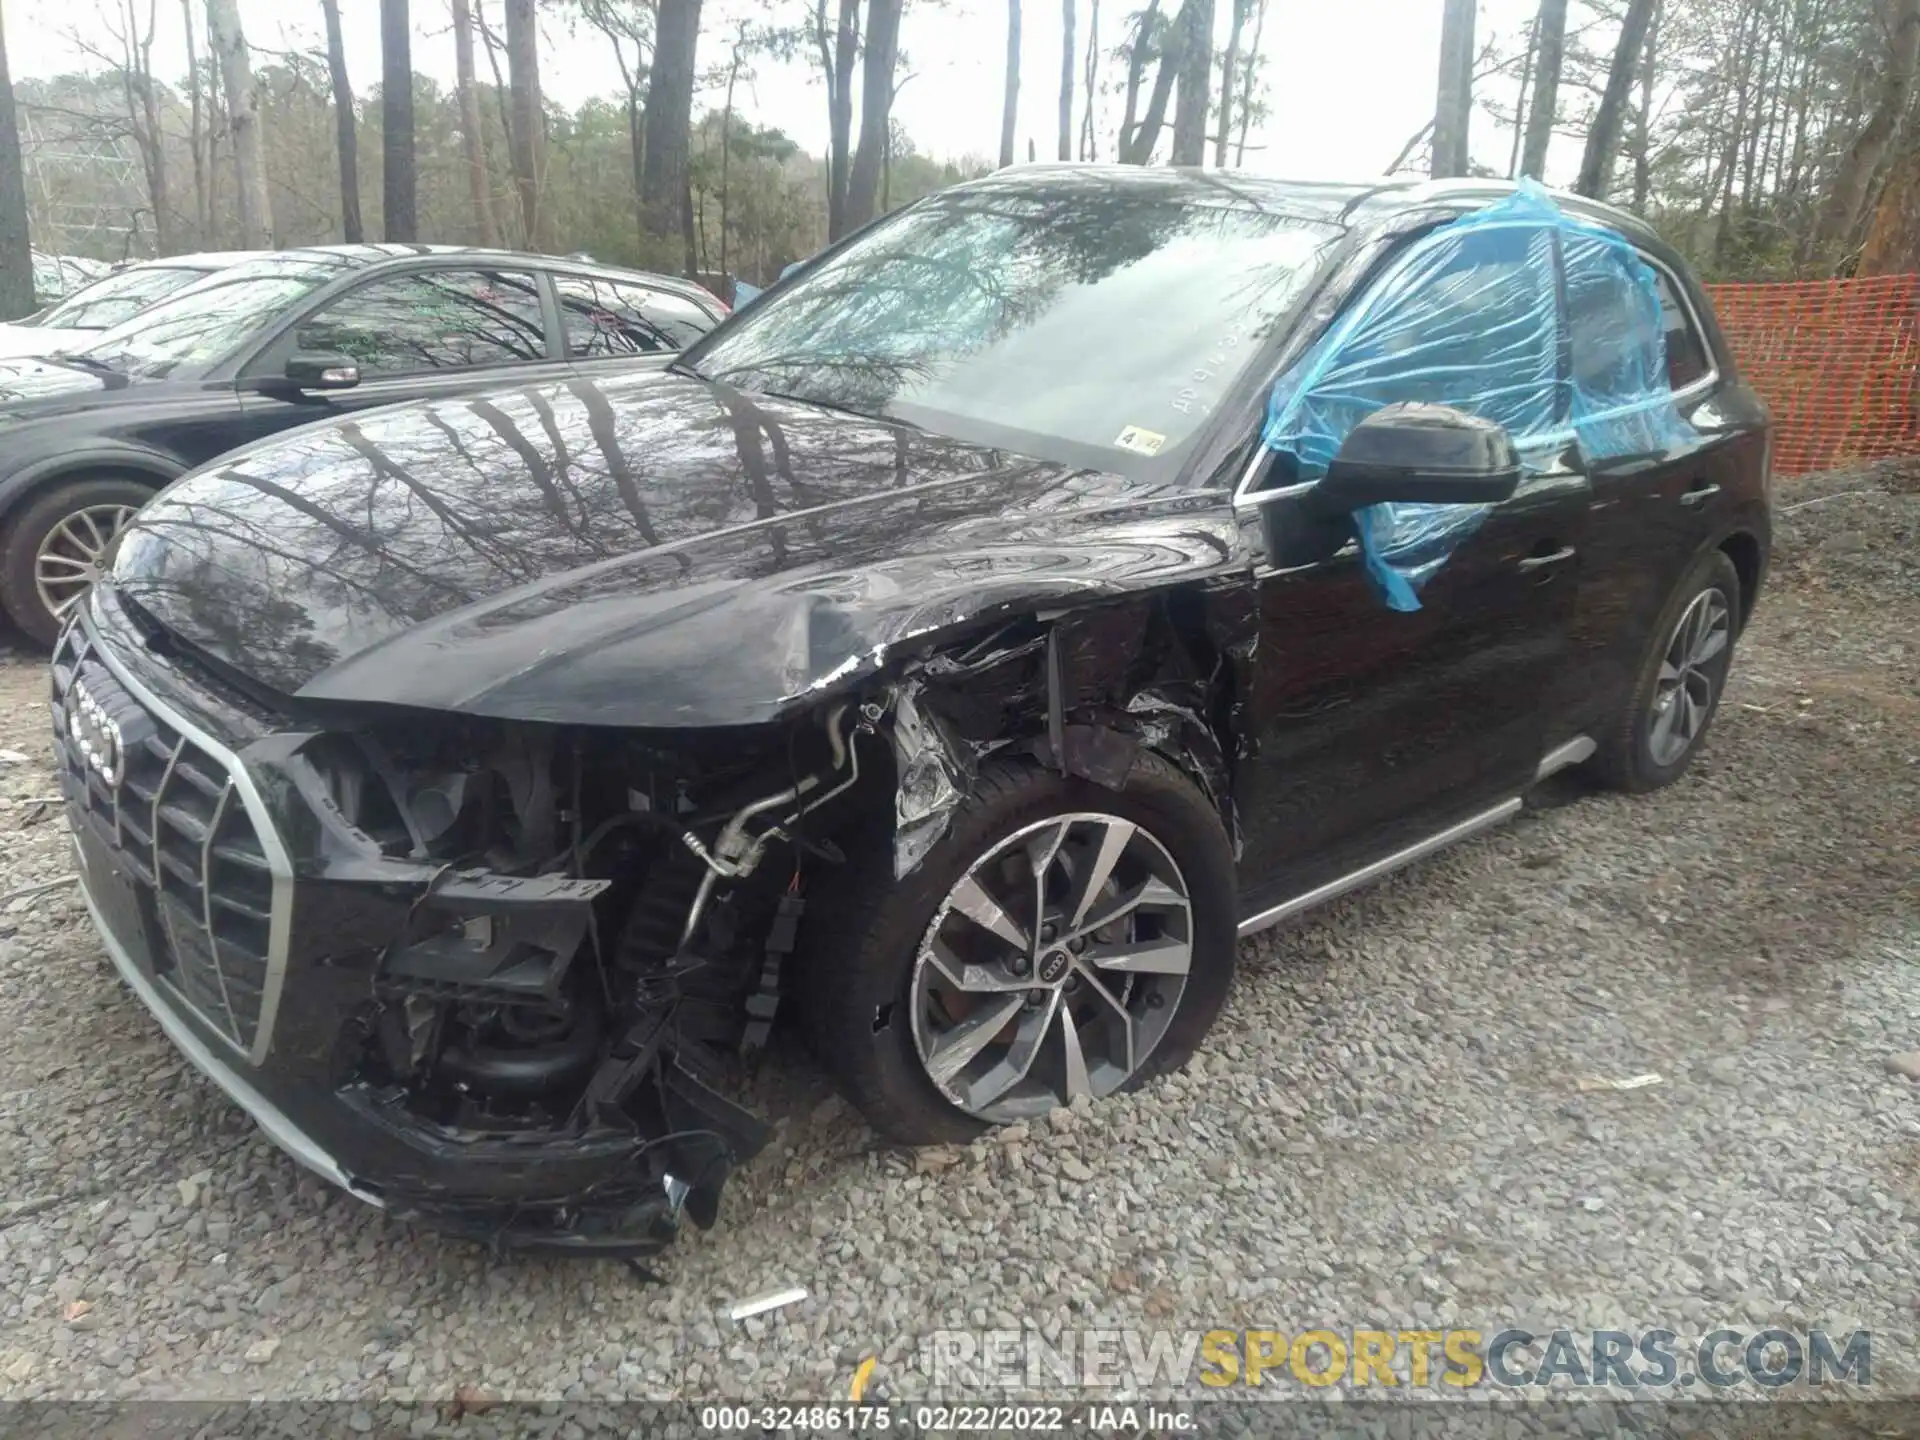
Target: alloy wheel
1052	968
71	553
1683	691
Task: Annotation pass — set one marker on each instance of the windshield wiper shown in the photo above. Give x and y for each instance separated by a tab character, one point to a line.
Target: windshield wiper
81	360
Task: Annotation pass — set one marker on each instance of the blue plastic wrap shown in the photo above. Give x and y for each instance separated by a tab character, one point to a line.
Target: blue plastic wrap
1470	317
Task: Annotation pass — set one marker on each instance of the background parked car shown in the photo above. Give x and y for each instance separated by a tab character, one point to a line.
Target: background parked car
57	276
276	342
113	299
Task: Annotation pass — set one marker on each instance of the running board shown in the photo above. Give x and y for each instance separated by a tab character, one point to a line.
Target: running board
1561	756
1386	865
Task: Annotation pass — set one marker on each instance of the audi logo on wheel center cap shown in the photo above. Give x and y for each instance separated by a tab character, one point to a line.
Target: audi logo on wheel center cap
97	736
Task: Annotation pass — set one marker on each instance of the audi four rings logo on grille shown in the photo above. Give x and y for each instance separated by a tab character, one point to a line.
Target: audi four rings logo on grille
97	734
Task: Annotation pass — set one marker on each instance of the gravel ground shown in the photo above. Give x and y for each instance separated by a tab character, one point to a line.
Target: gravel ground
1386	1130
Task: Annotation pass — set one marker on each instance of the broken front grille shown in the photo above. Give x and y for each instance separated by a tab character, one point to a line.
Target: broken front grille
174	819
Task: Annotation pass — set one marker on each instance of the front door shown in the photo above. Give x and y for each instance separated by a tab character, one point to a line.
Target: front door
415	335
1378	726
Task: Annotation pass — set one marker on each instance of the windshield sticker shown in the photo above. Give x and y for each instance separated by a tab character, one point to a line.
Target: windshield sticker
1189	398
1141	442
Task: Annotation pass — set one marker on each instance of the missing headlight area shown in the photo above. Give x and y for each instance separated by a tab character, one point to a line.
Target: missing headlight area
591	930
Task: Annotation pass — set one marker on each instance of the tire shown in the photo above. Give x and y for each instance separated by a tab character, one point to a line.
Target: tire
35	526
861	945
1631	755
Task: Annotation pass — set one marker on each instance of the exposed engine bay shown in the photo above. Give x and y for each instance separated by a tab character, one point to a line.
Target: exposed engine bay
609	917
603	937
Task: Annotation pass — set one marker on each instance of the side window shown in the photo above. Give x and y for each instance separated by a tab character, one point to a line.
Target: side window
1469	320
1610	324
608	318
436	320
1687	359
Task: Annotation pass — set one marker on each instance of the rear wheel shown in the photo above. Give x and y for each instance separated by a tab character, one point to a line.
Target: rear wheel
57	546
1681	677
1062	940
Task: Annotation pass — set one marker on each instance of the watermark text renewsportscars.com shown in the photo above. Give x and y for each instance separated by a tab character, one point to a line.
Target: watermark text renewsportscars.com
1224	1360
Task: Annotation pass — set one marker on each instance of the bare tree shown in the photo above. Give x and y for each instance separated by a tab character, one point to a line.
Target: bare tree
243	123
1089	145
1893	240
1196	84
1010	95
16	250
876	108
1604	134
523	72
1137	149
664	211
1139	47
1229	78
346	126
472	135
1847	194
1643	118
1453	104
838	53
396	121
1543	110
143	111
197	137
130	62
1249	70
1067	61
623	25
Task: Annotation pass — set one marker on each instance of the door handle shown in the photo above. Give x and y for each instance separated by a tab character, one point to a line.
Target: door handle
1699	494
1541	562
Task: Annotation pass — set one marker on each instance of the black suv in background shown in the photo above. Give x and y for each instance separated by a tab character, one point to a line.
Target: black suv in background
302	335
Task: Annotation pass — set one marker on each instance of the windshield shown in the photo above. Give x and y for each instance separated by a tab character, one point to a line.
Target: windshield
105	303
1082	318
197	326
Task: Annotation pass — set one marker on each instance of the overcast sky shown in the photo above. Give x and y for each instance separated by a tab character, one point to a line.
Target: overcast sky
1349	80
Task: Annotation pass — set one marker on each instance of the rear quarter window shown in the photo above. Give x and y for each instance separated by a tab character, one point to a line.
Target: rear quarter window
606	318
1688	359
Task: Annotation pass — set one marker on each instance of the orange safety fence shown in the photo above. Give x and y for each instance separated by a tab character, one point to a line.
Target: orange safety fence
1837	361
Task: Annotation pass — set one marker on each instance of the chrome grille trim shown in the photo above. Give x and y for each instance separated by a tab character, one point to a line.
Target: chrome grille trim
79	644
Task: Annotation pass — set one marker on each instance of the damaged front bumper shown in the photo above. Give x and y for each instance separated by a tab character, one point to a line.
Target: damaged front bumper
265	971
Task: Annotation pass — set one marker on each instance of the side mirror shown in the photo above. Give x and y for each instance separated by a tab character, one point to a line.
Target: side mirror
315	370
1420	454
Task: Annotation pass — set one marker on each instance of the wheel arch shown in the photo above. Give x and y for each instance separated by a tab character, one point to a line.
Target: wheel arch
1084	691
1749	557
30	481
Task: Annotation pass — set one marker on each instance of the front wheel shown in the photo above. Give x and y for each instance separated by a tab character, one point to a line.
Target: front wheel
56	547
1681	678
1062	940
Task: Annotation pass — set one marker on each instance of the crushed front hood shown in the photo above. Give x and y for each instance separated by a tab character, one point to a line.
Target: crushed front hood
645	550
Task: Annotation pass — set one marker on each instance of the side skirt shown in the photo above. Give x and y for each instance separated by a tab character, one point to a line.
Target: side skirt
1571	753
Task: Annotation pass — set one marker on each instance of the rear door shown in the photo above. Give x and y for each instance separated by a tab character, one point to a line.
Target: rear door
414	334
1654	508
